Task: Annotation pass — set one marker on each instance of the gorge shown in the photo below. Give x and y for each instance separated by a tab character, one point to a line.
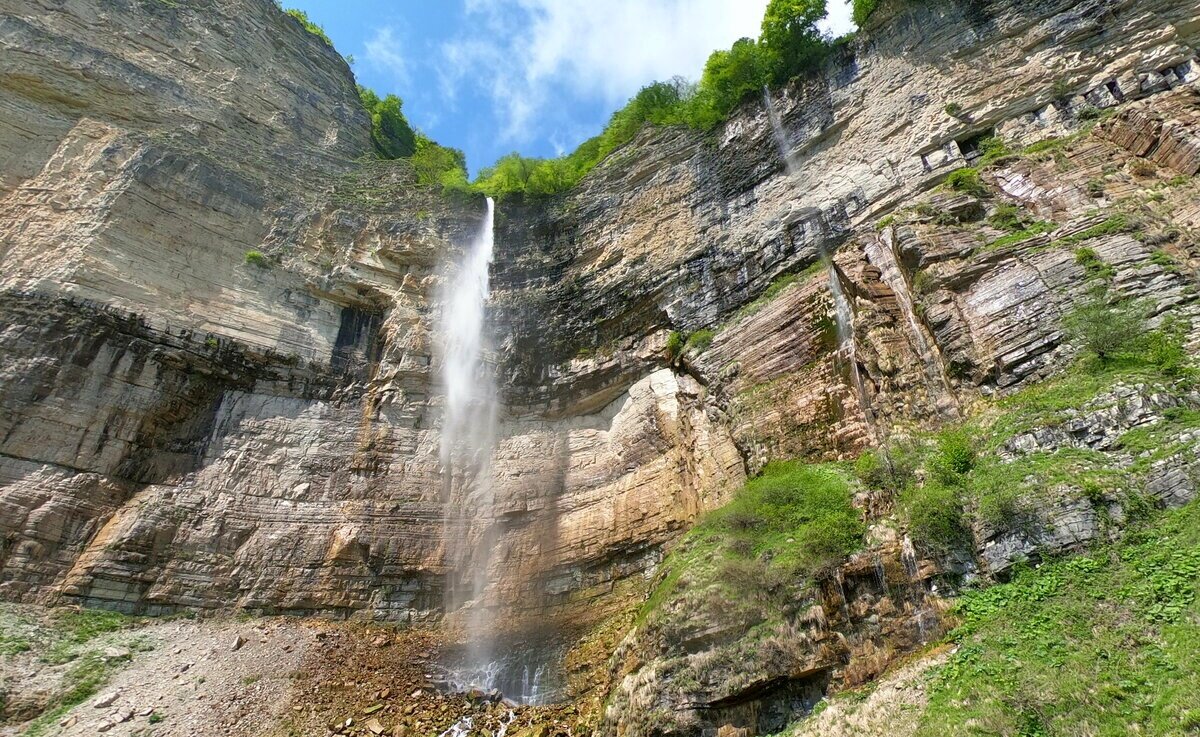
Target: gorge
768	427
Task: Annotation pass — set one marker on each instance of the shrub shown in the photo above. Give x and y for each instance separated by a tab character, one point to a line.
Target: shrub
1104	332
1094	266
1007	217
255	258
310	26
933	514
993	149
1142	168
953	109
675	343
390	132
967	181
1165	349
889	469
955	456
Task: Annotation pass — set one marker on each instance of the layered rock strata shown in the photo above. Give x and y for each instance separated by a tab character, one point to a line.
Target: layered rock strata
186	425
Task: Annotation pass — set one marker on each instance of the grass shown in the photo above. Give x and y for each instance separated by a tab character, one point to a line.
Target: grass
86	675
66	639
774	289
967	181
1024	234
76	628
792	522
1111	226
255	258
699	341
1102	644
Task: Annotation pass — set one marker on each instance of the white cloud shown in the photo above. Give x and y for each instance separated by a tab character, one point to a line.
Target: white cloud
600	50
613	47
382	53
539	61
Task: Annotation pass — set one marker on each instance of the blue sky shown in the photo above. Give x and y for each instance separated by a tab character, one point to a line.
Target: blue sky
535	76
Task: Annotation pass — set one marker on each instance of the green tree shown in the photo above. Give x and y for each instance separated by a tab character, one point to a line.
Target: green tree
863	10
435	164
791	39
731	76
393	137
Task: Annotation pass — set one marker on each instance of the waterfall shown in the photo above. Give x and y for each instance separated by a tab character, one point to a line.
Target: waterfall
468	437
843	313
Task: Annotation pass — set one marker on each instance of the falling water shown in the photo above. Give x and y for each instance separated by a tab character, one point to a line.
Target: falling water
908	556
781	139
468	436
843	313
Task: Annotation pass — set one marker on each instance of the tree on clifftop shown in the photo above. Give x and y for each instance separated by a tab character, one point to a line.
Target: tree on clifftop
791	39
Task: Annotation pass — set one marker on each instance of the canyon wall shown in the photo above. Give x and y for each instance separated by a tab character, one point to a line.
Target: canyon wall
219	385
219	378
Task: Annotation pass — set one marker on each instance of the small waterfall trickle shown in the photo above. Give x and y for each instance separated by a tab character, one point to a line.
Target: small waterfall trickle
467	440
917	598
843	312
781	139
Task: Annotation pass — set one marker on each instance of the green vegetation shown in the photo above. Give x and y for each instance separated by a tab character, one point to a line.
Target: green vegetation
862	10
1115	224
255	258
66	640
390	132
993	149
953	109
699	341
967	181
1034	229
792	522
790	45
934	516
1007	217
155	718
1093	265
964	479
1101	644
309	26
675	343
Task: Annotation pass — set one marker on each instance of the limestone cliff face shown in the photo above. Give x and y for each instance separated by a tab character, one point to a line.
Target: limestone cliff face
180	427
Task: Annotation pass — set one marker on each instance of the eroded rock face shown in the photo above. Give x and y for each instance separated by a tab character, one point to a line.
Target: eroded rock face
186	427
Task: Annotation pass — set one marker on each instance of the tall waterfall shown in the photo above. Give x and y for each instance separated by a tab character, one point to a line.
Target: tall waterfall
468	437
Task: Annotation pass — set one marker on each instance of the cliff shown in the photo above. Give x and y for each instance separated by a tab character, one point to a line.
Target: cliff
187	425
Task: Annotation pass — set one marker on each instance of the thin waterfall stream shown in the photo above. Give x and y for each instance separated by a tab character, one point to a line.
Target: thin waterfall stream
843	312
